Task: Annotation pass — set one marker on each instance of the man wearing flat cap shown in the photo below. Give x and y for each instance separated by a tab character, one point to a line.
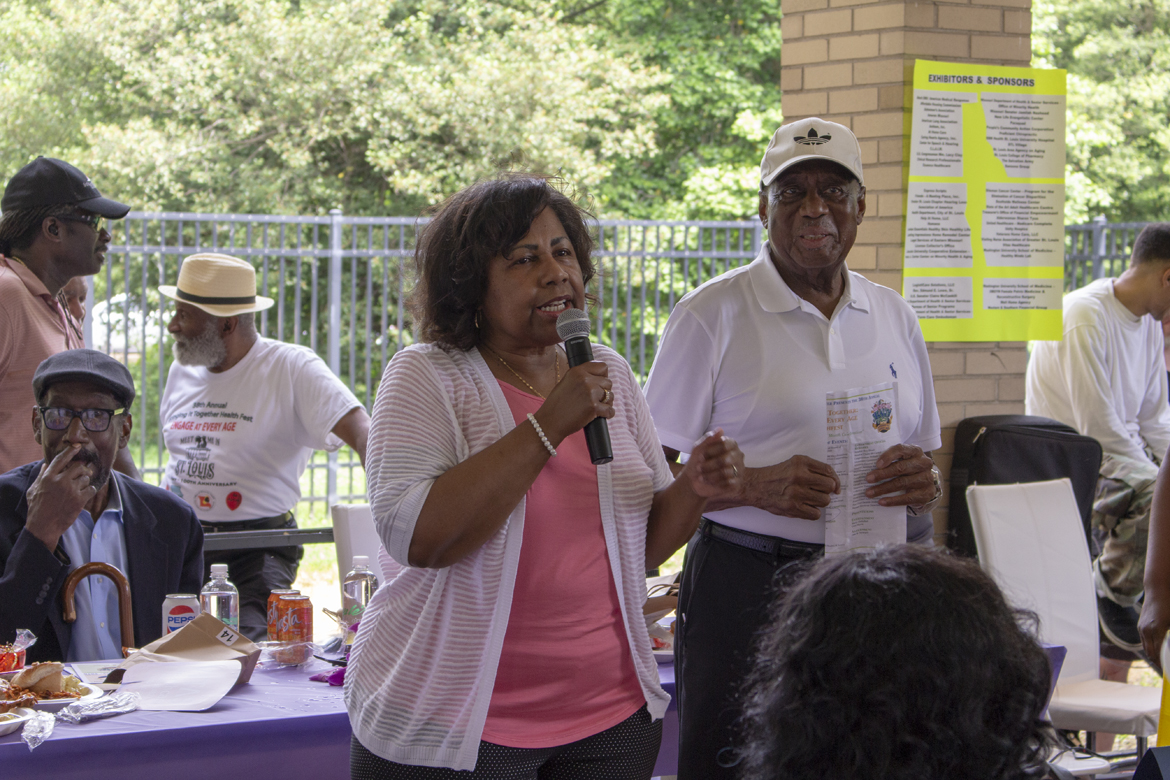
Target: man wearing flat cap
755	352
241	416
50	231
70	509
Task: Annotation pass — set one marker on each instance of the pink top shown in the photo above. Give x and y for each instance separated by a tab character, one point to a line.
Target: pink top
33	326
566	671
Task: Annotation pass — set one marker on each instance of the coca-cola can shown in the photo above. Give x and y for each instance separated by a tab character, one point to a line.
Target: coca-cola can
273	597
294	619
179	609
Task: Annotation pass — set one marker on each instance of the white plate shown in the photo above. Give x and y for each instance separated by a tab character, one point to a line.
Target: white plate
52	705
9	725
664	656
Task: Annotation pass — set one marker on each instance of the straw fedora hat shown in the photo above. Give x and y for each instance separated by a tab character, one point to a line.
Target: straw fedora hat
220	285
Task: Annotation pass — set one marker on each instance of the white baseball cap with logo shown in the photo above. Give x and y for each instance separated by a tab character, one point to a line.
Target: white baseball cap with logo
811	139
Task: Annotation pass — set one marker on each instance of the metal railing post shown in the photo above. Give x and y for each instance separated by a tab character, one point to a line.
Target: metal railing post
334	351
1098	245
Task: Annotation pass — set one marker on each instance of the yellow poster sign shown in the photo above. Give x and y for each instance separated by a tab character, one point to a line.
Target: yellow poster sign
984	240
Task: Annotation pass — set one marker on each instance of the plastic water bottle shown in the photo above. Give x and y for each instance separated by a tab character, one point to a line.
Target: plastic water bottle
356	592
219	598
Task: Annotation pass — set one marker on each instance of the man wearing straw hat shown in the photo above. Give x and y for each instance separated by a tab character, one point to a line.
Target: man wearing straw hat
51	231
241	416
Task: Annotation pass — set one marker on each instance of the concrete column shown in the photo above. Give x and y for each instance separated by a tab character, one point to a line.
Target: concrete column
852	61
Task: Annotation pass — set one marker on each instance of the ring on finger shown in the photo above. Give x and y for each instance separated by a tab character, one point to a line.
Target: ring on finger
607	397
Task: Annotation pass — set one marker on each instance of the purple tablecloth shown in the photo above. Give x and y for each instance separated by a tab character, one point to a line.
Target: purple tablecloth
280	726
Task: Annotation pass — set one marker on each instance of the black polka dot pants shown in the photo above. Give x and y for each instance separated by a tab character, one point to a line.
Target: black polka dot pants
626	751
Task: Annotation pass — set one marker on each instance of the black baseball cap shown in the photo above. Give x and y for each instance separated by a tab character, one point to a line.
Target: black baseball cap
85	365
49	182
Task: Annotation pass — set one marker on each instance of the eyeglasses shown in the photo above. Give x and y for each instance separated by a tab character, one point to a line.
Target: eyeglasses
93	220
93	420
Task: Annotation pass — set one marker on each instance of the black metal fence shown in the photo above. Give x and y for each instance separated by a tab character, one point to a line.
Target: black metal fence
340	284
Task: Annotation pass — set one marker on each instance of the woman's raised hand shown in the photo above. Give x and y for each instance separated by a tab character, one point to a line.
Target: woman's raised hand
584	394
715	468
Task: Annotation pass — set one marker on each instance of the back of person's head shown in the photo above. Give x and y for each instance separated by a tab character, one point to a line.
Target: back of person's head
904	662
1152	244
468	230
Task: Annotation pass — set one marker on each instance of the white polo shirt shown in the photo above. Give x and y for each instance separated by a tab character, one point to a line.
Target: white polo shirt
746	354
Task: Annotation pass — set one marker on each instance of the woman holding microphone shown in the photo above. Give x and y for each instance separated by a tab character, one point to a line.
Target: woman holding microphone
513	644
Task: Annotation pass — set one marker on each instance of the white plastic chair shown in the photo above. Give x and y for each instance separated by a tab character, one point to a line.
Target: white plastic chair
1031	541
354	534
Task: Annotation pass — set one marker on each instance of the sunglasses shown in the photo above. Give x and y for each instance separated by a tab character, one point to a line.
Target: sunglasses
93	220
57	418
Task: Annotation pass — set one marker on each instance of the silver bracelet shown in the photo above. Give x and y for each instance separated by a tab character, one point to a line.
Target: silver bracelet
540	432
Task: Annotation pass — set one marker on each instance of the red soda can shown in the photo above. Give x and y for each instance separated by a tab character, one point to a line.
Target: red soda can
294	619
273	597
178	610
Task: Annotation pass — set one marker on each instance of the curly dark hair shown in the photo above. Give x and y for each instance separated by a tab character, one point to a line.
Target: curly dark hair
902	663
469	229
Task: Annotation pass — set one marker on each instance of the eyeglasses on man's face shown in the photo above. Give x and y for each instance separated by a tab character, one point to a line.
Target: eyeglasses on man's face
93	220
57	418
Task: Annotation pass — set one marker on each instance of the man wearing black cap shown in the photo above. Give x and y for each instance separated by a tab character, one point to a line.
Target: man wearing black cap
51	230
70	509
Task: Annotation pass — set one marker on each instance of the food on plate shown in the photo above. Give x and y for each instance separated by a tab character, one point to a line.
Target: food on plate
27	700
43	681
41	678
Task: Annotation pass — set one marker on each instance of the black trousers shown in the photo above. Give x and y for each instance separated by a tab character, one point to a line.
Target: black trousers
724	599
256	573
626	751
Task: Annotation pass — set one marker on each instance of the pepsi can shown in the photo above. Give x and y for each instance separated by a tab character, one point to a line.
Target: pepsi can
178	610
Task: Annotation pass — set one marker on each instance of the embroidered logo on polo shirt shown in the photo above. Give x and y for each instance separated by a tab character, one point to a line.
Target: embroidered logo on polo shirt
812	139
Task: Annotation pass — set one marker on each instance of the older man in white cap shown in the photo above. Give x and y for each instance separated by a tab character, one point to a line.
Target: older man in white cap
241	416
754	352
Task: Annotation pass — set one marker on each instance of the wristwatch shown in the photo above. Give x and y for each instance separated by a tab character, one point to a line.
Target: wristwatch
918	510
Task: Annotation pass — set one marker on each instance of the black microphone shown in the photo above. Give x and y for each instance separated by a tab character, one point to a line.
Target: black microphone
573	328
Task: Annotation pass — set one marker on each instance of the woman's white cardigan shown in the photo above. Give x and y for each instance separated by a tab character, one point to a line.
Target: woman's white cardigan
424	661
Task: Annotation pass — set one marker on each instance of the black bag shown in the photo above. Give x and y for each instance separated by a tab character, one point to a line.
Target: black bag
1001	449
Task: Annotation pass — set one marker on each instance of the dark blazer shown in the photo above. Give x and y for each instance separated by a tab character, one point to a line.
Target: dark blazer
164	548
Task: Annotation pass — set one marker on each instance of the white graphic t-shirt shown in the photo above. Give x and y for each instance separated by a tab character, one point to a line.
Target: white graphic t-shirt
239	440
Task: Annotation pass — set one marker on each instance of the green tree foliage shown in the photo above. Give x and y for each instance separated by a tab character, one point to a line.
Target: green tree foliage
722	59
1117	54
280	106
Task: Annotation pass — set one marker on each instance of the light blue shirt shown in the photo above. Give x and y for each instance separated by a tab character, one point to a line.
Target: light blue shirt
97	634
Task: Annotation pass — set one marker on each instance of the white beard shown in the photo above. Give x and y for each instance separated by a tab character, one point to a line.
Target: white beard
206	349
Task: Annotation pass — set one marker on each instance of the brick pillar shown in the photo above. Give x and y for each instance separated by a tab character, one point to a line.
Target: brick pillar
852	61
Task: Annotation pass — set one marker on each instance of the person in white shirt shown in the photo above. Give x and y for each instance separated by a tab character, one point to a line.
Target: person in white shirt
754	352
241	416
1106	378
